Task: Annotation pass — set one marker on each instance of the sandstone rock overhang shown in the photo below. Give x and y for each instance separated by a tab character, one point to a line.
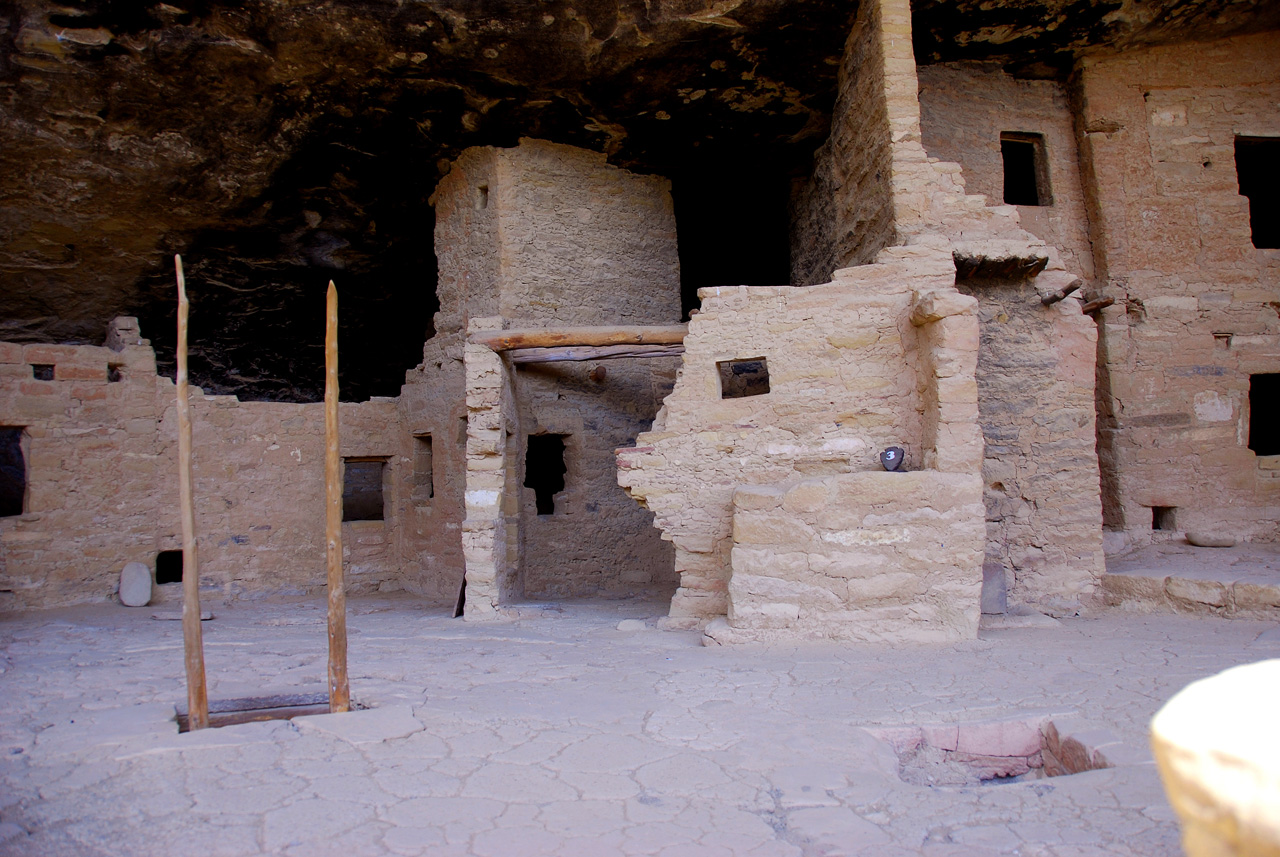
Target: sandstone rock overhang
278	145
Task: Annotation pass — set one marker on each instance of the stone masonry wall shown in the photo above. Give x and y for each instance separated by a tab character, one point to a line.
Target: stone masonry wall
847	379
1195	301
1036	366
843	214
1036	406
544	235
1051	549
965	107
102	481
867	556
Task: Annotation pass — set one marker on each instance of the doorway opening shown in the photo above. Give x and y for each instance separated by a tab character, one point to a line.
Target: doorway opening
544	469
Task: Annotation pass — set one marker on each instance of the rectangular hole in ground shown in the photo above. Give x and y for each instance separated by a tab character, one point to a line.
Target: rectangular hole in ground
229	712
990	753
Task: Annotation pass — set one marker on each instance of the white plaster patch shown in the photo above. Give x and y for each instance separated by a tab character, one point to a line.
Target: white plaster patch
1211	407
1170	117
848	538
482	498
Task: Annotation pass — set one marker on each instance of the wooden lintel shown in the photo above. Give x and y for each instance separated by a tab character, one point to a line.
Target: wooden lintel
592	352
535	337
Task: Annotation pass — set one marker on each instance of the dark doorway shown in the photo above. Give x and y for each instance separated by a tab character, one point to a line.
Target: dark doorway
732	224
13	472
1259	177
544	469
1026	169
1264	414
168	567
362	489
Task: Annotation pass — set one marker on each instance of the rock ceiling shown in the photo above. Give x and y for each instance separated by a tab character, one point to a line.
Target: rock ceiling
278	143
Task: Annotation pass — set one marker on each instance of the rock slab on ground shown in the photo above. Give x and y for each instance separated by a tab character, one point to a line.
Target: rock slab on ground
135	585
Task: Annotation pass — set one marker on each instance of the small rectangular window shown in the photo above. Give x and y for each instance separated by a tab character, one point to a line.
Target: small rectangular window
1162	517
1259	178
1264	414
114	373
741	378
423	478
544	470
13	472
42	371
362	489
168	567
1026	169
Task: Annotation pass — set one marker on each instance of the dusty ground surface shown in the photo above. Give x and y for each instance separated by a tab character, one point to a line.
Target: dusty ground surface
558	733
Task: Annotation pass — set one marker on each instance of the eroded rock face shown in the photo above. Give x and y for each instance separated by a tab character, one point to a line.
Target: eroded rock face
280	143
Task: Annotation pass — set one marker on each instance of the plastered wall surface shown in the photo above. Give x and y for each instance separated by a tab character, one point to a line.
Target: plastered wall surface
1036	406
964	108
553	237
843	214
1195	301
102	482
847	378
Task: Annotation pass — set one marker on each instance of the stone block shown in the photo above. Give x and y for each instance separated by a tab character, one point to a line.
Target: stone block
135	585
999	738
1189	593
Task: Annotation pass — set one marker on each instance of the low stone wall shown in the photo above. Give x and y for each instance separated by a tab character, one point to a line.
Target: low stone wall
884	356
100	453
869	556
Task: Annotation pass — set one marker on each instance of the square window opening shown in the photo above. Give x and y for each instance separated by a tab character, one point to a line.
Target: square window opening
362	498
115	373
1026	169
42	371
742	378
13	472
544	469
1260	181
423	476
1264	414
168	567
1162	517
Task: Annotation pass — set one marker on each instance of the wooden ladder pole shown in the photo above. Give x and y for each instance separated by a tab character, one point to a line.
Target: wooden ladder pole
339	689
192	639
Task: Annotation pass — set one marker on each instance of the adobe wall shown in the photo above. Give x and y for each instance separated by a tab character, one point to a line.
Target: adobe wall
544	235
102	469
1036	374
964	108
1036	366
850	374
843	214
1195	301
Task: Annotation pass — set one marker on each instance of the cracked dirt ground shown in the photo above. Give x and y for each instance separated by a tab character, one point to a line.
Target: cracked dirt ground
557	733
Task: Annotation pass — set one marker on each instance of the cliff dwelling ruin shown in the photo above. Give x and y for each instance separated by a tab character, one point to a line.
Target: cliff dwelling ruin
1035	253
764	423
